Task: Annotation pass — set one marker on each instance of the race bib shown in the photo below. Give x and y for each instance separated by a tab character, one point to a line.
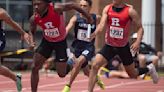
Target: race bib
116	32
82	35
52	32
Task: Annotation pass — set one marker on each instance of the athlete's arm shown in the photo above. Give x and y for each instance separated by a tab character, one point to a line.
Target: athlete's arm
136	19
7	19
102	23
71	24
60	7
98	17
33	28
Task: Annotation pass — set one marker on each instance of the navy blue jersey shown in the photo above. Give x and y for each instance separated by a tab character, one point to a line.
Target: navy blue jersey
80	31
2	37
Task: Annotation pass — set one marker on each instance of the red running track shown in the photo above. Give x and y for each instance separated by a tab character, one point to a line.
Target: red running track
52	83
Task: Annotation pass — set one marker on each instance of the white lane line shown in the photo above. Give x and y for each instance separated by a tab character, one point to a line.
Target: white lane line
120	84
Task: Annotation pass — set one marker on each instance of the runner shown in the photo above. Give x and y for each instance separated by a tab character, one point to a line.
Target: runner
49	16
117	17
84	49
5	17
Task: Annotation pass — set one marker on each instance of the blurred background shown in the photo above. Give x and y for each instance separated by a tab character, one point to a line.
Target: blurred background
150	11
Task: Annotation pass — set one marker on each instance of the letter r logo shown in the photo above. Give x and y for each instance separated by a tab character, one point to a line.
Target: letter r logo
115	22
49	25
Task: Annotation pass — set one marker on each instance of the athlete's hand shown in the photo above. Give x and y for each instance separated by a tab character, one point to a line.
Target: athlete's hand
32	43
25	36
135	47
92	36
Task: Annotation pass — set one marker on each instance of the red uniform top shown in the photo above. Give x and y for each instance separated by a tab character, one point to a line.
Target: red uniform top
117	32
52	25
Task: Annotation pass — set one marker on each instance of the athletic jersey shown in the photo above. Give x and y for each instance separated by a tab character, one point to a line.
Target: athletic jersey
118	23
52	25
81	28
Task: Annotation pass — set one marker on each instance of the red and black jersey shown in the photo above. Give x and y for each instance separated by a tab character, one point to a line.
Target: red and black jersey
118	23
52	25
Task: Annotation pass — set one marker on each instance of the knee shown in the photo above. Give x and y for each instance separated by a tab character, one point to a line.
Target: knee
141	57
95	66
156	58
35	67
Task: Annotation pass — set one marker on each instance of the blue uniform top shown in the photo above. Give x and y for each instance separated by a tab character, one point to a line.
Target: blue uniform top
80	32
2	37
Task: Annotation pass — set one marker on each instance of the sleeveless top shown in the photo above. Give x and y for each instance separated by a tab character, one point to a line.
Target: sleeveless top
81	31
117	32
52	25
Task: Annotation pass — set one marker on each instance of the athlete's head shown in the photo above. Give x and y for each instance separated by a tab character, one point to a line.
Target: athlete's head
117	2
40	5
86	4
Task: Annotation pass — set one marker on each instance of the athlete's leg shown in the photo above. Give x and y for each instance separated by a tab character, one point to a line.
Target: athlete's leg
38	61
153	58
142	60
76	69
99	61
62	68
4	70
118	74
40	56
129	65
7	73
86	70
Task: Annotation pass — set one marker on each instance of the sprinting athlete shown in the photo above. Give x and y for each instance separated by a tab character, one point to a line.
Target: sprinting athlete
49	16
84	49
117	18
5	17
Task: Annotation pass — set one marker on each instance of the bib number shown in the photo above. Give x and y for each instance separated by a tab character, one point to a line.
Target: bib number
116	32
52	32
82	35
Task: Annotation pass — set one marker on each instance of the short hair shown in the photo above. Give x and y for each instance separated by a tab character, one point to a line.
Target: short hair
89	2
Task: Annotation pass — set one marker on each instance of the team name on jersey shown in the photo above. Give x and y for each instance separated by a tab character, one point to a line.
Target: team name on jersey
84	25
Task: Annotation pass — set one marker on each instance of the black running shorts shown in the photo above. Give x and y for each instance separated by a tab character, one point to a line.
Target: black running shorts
124	53
46	48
